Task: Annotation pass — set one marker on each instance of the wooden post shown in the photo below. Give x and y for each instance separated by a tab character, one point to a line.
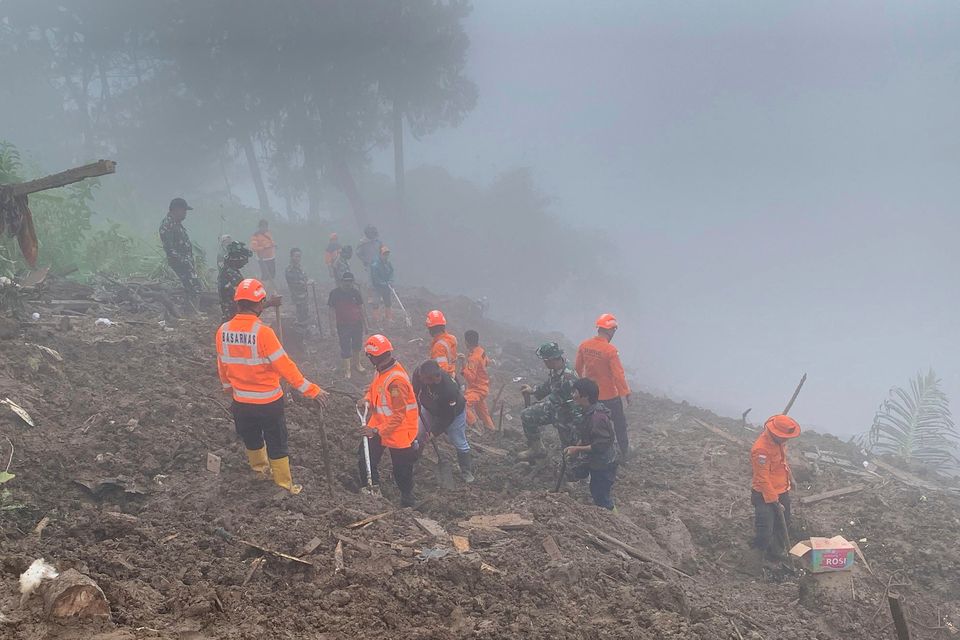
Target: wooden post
793	398
324	451
899	619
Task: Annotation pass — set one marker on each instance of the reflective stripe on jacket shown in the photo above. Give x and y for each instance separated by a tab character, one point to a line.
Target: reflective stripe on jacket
251	360
444	351
394	406
771	473
599	360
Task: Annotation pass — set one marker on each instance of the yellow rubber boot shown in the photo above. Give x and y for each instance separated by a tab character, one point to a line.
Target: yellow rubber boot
282	477
259	462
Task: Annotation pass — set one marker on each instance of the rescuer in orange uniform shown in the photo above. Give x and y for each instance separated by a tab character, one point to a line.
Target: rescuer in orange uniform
443	349
599	360
251	361
473	367
393	418
771	481
263	245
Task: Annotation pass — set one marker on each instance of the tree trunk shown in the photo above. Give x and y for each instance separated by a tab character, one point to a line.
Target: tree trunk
346	183
398	170
247	142
313	187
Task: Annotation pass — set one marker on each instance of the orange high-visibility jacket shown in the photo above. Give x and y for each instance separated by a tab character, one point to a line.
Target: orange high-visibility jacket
475	373
250	360
263	245
599	360
394	406
444	351
771	473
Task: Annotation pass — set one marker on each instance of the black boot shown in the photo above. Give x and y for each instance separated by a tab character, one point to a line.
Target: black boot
466	466
407	499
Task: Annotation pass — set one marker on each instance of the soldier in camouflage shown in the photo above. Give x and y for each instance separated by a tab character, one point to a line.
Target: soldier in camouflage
556	405
298	282
179	250
236	258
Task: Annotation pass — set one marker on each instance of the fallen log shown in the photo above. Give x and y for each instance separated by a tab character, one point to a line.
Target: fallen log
62	179
836	493
629	550
359	524
73	594
505	521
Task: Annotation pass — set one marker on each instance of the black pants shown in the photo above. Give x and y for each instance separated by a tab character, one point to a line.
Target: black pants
766	521
259	423
615	405
601	482
403	461
303	312
351	339
268	269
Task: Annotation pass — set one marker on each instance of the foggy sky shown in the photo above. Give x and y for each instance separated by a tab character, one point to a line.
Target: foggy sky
781	178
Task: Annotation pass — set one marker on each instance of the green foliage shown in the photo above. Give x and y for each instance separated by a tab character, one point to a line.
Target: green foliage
916	425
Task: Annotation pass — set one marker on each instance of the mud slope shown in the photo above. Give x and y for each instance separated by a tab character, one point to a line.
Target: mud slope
139	405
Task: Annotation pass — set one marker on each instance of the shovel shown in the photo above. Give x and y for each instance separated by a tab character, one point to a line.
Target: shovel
316	306
365	442
786	534
406	316
563	471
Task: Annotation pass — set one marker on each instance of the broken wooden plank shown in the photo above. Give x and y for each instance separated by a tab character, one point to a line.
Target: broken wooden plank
908	478
503	453
359	524
92	170
720	432
214	463
362	546
504	521
835	493
552	548
461	543
310	547
432	527
338	565
38	530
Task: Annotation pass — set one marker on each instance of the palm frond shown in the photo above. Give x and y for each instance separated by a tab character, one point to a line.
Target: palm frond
916	425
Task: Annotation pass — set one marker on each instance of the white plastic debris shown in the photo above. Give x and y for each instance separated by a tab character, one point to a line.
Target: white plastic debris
103	322
37	572
866	465
35	315
5	281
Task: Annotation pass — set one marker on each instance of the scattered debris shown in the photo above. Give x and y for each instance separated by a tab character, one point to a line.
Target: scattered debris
38	530
505	521
427	554
310	547
47	350
338	564
38	571
20	411
360	524
720	432
214	463
226	535
433	528
552	548
826	554
460	543
254	566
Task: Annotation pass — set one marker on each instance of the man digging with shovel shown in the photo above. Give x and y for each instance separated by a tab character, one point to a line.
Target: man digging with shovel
443	410
392	423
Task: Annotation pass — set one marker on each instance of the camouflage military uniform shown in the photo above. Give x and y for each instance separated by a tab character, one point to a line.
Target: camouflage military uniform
227	282
555	406
179	250
297	282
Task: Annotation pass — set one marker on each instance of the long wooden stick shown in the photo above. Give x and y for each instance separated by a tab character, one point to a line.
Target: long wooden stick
316	306
92	170
279	324
325	453
796	392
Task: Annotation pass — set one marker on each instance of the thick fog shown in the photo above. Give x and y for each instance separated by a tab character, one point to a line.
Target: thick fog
756	189
779	177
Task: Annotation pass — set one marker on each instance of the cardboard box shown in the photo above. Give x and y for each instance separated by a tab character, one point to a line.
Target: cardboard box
826	554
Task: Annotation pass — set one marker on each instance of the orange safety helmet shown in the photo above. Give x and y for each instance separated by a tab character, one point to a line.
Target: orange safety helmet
377	345
435	319
782	426
250	289
607	321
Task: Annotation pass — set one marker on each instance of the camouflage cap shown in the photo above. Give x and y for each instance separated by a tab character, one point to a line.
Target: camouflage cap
549	350
238	250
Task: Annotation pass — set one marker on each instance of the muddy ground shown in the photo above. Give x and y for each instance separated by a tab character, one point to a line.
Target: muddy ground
139	404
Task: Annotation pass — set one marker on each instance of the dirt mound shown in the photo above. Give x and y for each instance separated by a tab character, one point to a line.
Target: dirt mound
125	417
